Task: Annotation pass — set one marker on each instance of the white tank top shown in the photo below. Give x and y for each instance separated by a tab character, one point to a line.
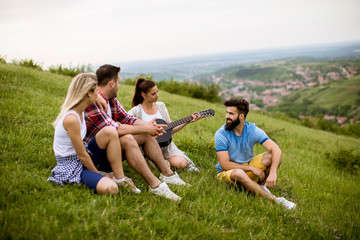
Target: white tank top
62	143
146	117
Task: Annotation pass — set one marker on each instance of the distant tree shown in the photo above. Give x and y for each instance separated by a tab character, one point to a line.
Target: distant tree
129	81
208	92
70	71
2	60
306	122
258	102
29	63
353	130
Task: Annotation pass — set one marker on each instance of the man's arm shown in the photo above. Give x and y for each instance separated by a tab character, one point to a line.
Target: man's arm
275	151
141	127
226	164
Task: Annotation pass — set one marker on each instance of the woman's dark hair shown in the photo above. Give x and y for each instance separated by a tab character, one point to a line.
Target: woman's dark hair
141	85
241	105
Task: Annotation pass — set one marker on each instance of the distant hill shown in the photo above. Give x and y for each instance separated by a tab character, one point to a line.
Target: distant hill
264	83
267	73
183	68
283	69
338	98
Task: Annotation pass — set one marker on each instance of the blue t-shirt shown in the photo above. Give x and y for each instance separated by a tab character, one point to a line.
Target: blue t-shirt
240	148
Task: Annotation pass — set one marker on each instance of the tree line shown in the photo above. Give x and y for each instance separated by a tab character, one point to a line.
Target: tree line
208	93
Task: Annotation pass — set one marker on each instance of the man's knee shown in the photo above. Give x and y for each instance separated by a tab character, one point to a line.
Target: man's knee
239	175
266	159
109	131
143	138
127	141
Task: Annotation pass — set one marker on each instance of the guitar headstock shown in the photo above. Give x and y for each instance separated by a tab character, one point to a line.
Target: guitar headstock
207	113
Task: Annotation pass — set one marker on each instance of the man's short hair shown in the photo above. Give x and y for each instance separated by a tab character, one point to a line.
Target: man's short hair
240	103
106	73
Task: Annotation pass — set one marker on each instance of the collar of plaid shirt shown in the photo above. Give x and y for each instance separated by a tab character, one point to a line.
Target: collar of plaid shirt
118	112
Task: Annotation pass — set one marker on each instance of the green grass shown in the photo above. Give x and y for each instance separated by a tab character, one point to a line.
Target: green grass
341	92
31	208
266	74
339	98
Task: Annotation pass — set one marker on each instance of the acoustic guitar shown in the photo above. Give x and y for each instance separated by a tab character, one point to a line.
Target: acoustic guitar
165	139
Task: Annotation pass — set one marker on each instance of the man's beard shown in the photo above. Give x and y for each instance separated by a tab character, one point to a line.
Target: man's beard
232	124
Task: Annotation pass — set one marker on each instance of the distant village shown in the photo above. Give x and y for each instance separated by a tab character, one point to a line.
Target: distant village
274	90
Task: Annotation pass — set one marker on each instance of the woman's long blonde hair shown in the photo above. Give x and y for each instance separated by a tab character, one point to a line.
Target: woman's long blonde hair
79	87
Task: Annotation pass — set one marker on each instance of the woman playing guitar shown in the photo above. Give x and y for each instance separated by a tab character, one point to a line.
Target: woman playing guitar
146	107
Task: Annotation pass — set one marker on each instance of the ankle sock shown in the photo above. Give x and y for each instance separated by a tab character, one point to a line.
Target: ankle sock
120	179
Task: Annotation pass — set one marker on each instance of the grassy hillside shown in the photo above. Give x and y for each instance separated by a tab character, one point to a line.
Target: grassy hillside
266	72
341	98
284	69
31	208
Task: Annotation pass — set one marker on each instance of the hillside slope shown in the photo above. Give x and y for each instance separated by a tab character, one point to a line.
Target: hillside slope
339	98
32	208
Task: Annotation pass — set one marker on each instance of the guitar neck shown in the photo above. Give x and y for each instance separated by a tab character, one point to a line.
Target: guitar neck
178	122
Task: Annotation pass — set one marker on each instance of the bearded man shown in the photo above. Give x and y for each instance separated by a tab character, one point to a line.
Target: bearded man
234	143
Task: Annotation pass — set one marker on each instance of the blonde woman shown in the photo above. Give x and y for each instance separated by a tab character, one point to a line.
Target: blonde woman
76	162
146	107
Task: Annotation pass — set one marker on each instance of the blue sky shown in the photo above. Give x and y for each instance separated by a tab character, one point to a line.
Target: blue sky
112	31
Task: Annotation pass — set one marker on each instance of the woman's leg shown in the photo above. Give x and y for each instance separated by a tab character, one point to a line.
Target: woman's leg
107	186
108	138
98	183
178	161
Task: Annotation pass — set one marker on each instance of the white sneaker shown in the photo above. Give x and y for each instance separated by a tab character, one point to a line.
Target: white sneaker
164	190
191	166
287	204
266	189
173	179
128	184
192	169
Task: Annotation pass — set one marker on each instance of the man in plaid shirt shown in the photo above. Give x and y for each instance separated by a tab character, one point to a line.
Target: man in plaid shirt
132	132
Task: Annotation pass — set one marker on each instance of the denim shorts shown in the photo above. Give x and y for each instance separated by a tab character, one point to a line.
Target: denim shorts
90	179
99	158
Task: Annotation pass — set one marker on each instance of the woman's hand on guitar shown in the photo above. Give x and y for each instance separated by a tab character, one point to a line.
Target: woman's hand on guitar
196	117
154	129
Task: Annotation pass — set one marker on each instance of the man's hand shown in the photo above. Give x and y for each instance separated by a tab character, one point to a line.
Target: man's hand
258	172
271	180
154	129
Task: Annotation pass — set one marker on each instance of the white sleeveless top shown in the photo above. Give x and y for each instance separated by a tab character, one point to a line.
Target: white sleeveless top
62	143
146	117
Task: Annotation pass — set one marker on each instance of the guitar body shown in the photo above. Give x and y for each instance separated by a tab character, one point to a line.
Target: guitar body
165	139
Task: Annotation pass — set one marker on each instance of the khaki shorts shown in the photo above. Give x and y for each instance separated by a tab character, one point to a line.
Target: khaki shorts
256	162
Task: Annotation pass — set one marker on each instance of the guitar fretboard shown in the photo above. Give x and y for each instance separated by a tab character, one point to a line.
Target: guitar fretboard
178	122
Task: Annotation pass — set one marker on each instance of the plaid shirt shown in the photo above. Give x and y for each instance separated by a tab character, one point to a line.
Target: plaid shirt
96	119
